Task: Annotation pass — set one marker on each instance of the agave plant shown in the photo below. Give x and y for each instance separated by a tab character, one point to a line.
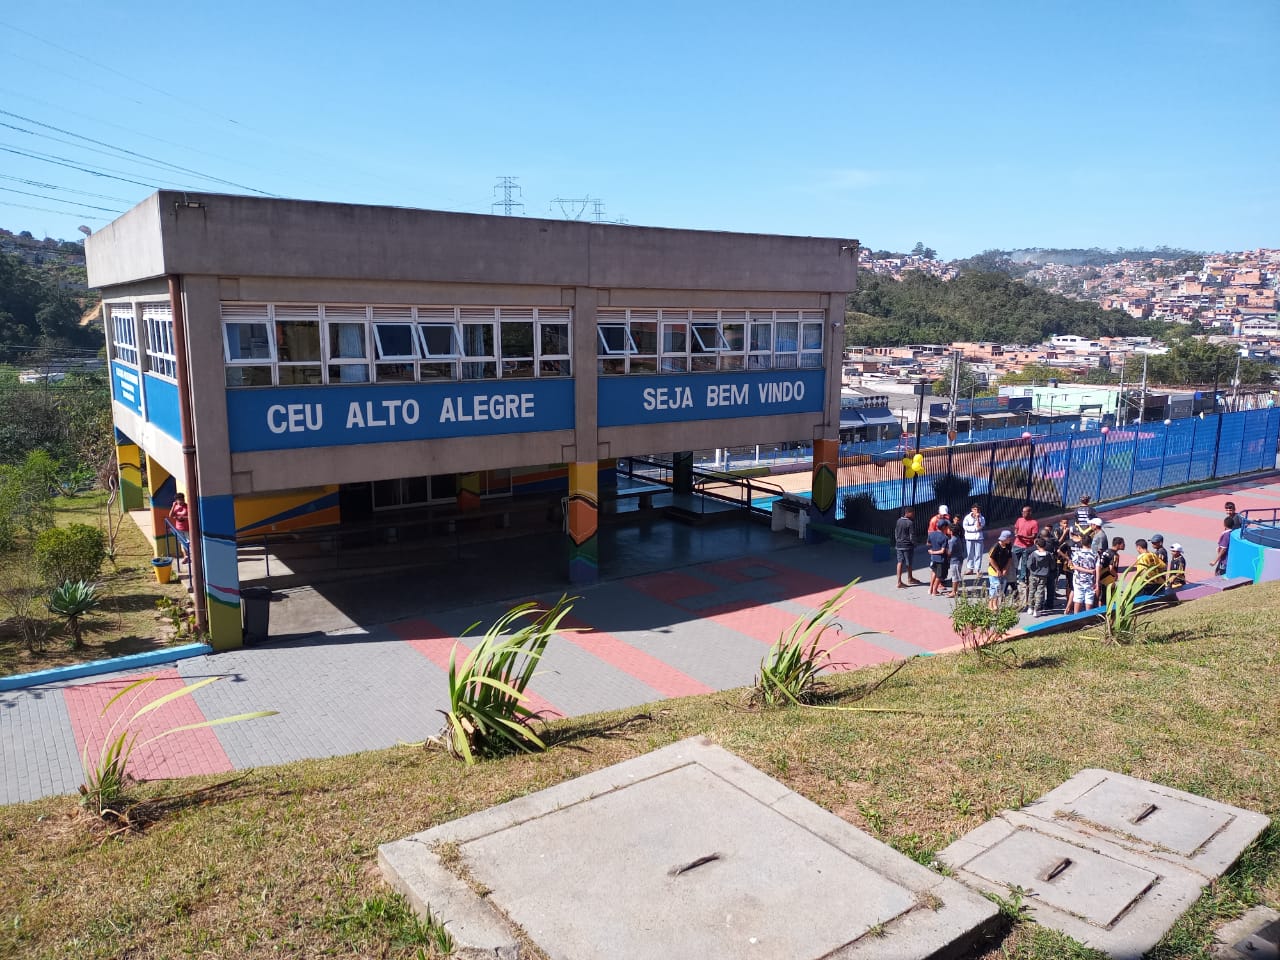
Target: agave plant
72	600
488	710
789	671
107	779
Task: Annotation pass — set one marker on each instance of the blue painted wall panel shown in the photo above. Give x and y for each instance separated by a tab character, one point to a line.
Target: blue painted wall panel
126	386
162	405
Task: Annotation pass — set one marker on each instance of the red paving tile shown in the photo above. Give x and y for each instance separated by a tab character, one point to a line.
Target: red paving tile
1174	524
180	755
649	670
670	587
437	646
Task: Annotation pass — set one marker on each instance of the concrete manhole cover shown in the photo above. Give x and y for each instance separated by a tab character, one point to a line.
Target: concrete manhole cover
684	852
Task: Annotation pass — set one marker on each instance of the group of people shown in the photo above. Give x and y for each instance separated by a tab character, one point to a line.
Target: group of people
1028	561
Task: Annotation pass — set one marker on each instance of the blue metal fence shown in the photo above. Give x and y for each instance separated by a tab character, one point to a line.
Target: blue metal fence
1054	470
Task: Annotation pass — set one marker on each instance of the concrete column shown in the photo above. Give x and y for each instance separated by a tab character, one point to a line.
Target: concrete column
201	300
585	395
826	439
826	460
682	472
582	522
129	466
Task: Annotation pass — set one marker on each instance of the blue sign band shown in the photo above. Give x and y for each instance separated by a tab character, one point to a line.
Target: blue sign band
627	400
288	418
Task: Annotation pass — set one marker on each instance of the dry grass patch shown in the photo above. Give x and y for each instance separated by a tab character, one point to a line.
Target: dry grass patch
280	862
127	620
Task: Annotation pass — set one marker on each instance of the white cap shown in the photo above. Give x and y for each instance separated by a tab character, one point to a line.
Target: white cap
943	509
1176	547
1095	521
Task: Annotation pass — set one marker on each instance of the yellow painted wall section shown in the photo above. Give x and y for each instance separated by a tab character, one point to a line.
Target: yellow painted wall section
288	510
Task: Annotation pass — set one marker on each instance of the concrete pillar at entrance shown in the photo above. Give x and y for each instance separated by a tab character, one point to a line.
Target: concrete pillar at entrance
582	522
129	465
682	472
826	460
221	571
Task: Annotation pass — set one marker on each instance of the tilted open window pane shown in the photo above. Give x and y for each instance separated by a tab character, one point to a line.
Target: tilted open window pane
247	341
395	341
439	340
707	338
615	340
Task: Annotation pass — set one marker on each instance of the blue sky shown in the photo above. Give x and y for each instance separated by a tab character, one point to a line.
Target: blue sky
965	126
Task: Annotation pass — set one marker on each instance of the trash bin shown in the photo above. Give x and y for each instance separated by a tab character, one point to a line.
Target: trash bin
255	602
163	566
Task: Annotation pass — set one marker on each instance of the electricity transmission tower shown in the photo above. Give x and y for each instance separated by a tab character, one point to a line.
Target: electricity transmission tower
510	192
571	208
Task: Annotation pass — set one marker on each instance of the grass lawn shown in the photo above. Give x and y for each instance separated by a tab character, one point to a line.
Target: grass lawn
282	862
126	622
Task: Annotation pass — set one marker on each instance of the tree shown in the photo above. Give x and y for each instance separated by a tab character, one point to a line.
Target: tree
969	383
920	250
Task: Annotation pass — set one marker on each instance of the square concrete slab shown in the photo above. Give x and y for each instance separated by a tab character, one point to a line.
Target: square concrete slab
1105	896
1195	832
1108	859
687	851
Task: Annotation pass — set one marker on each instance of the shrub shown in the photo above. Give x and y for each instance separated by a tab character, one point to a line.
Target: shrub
953	490
26	492
488	715
859	510
979	627
71	601
74	552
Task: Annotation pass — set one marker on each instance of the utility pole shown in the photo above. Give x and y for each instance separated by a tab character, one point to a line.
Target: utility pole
1122	404
1142	404
597	210
1235	391
955	397
510	192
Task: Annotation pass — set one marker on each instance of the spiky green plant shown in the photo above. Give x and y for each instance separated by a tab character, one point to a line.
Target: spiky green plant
71	601
789	671
488	710
107	779
1120	614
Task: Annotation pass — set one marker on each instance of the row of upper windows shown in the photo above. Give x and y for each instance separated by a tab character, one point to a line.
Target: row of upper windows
157	319
296	345
680	341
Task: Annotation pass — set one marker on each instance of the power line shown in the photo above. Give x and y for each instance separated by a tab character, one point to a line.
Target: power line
54	186
76	203
64	162
25	206
132	153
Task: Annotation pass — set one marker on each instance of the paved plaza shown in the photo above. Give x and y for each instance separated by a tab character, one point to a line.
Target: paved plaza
663	633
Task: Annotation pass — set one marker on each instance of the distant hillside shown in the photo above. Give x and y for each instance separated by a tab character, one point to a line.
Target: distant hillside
43	299
1092	257
974	306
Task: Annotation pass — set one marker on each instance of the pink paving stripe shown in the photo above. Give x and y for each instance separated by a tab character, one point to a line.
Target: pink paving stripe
181	755
649	670
670	587
437	645
1174	524
900	619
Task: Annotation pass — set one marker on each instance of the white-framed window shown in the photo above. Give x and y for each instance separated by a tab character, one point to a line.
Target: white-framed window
124	333
248	344
306	344
299	361
760	349
786	339
733	327
555	342
346	343
479	343
812	323
161	357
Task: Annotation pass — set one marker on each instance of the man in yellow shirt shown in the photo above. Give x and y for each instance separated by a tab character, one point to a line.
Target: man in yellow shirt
1149	566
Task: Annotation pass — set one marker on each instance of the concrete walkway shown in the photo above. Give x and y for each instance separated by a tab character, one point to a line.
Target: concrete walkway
663	633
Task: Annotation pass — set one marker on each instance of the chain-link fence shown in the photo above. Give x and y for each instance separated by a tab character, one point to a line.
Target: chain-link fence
1050	472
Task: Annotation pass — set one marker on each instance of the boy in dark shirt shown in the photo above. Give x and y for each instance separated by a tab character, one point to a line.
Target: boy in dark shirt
1040	566
937	545
1176	579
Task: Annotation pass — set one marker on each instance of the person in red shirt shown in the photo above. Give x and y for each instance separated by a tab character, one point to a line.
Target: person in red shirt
180	517
942	514
1025	531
